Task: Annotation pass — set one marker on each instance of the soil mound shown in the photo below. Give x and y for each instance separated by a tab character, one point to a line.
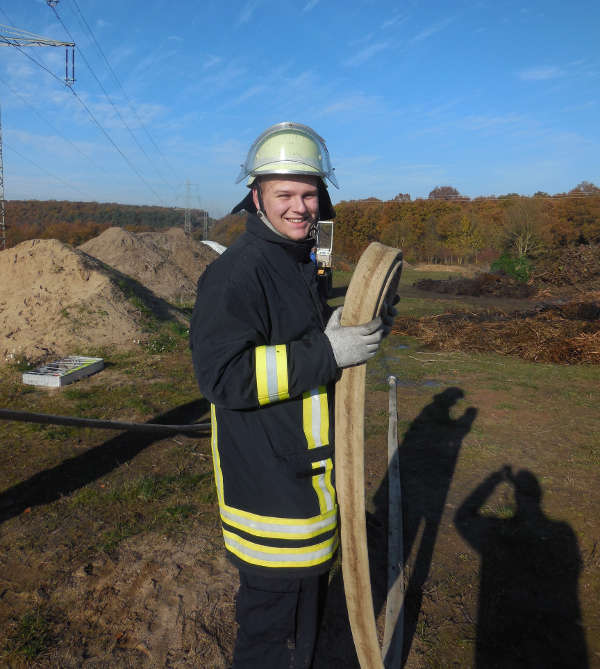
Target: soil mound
568	333
169	263
55	300
497	285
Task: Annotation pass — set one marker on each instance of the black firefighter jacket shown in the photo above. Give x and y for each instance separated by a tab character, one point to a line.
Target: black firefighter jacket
263	361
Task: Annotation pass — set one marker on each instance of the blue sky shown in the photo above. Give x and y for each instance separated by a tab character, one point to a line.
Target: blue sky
488	97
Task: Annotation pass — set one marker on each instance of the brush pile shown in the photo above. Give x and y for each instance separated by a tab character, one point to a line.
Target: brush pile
568	333
574	266
497	285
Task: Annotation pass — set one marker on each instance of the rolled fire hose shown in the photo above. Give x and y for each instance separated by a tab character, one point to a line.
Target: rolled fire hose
375	281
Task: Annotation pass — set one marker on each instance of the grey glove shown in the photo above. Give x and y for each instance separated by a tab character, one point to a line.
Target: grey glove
353	344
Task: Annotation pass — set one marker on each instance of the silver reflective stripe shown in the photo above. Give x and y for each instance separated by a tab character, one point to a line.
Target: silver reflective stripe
299	529
272	384
285	558
320	481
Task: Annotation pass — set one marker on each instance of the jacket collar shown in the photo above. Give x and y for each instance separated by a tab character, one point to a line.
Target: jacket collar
299	250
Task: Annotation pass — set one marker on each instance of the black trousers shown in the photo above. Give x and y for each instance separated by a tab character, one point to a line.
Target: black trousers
279	621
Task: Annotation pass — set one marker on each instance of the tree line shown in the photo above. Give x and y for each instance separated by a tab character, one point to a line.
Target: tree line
450	228
446	227
76	222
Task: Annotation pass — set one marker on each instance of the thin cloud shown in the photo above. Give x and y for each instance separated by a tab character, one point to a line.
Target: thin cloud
247	11
251	92
541	73
367	53
101	23
311	4
490	122
431	30
350	103
211	61
398	18
365	39
582	107
217	78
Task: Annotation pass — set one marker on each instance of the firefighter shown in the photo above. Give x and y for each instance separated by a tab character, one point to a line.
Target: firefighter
266	355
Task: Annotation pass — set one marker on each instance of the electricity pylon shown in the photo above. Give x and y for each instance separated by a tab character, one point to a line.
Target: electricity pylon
11	36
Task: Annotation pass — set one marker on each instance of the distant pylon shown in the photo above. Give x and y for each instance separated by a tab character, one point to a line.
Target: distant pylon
187	221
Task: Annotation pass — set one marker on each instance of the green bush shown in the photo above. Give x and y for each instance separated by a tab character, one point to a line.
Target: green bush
518	268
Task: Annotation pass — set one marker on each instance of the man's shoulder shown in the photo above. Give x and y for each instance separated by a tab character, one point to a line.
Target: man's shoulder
240	260
246	248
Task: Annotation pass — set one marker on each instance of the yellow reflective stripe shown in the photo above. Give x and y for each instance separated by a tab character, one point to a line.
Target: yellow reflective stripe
324	415
262	388
215	453
281	528
282	372
274	519
329	483
265	526
315	421
315	417
273	556
323	486
271	373
307	418
318	486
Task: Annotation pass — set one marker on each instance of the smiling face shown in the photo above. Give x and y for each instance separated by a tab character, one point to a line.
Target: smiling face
290	203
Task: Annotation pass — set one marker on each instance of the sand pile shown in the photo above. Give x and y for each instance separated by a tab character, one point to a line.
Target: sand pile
56	300
168	263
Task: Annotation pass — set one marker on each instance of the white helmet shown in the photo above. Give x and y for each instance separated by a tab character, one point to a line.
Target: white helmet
288	148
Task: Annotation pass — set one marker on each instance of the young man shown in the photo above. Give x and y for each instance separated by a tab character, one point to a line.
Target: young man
266	357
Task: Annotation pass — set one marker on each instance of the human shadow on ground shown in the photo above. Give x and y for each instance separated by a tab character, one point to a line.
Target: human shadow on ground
427	459
528	614
51	484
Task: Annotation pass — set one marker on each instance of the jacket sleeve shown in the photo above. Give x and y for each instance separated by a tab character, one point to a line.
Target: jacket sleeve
235	364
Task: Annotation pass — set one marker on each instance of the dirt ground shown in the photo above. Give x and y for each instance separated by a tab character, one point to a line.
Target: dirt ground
110	546
161	598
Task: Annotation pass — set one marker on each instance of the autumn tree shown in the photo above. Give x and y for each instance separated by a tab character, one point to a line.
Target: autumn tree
585	188
526	230
444	193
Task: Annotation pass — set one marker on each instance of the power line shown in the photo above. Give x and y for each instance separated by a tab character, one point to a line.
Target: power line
135	139
52	126
120	85
42	169
475	199
95	120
